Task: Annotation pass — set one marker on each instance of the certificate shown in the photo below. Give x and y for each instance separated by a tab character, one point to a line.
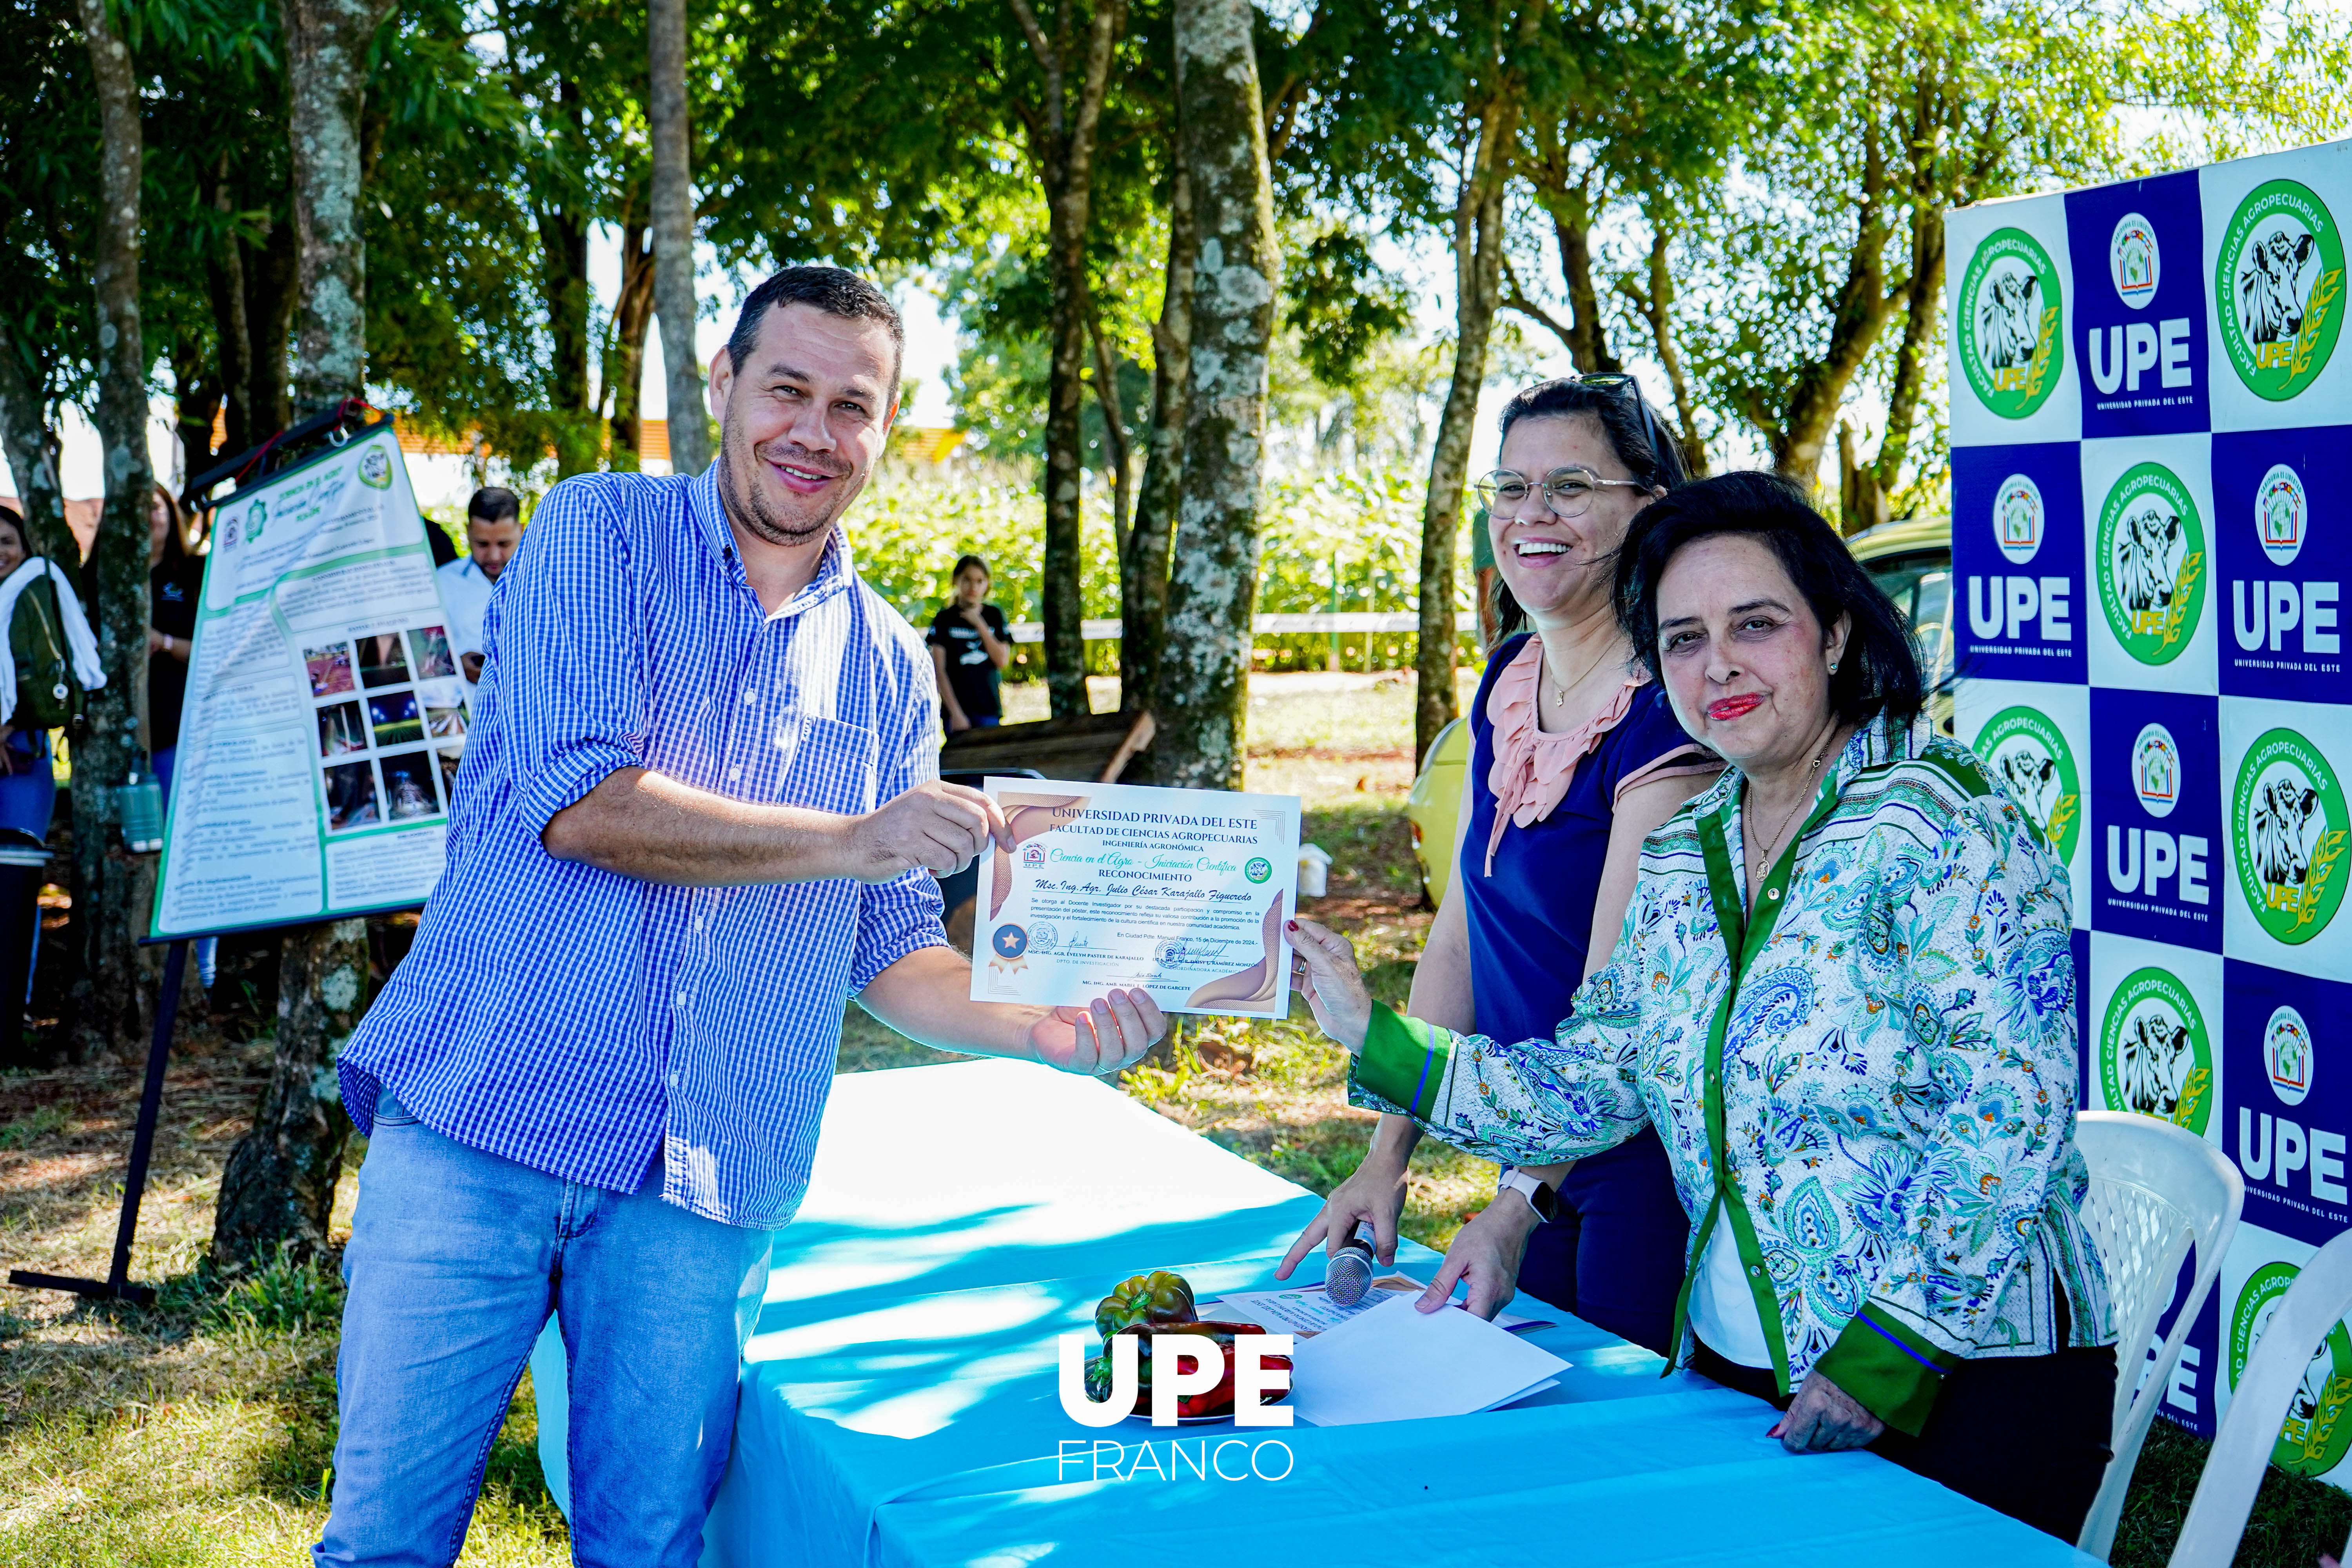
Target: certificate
1183	893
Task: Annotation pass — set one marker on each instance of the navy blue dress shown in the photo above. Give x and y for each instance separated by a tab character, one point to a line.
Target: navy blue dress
1614	1256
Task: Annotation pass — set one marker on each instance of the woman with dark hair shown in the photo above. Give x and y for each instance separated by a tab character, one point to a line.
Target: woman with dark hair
174	580
970	645
1575	756
1844	994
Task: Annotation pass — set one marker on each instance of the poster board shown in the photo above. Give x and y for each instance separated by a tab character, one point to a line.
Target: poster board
325	711
2151	525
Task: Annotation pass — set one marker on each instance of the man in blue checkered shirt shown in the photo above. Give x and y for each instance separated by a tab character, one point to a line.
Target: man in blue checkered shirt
699	810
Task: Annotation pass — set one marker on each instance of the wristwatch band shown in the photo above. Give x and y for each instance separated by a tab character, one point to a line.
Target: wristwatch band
1539	1195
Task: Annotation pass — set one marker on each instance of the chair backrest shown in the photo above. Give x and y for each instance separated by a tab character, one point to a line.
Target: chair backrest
2157	1189
2250	1427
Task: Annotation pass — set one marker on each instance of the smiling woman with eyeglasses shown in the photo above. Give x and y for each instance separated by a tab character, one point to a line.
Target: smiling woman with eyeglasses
1576	757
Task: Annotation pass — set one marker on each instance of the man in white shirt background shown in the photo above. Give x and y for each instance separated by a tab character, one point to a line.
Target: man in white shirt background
493	529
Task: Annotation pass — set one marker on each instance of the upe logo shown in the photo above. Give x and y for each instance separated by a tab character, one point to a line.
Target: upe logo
2030	756
2282	513
2133	263
1171	1381
2288	1055
2151	563
2316	1435
2156	769
2289	812
1033	854
2012	324
2279	280
2017	514
2154	1057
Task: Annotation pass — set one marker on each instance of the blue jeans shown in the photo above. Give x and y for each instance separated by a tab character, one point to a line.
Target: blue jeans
457	1258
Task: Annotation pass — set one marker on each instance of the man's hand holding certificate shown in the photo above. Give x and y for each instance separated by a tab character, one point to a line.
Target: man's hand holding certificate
1183	893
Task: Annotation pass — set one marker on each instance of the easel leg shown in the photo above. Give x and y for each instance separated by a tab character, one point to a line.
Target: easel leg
142	1145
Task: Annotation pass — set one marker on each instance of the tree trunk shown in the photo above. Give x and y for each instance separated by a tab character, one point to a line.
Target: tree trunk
1204	691
1477	274
1656	305
673	205
1572	222
111	1006
1923	290
232	333
632	313
1115	446
1143	555
1857	316
269	280
25	433
326	66
1063	151
564	272
278	1187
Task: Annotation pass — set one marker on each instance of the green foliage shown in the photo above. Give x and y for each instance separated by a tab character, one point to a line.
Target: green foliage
27	1131
1341	305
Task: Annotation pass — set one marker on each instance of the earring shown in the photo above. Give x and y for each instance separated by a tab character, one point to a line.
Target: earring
1833	667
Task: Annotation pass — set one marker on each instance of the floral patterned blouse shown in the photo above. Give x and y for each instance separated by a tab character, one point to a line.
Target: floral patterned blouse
1870	1078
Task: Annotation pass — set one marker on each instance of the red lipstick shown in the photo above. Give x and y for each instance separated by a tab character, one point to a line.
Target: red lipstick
1731	708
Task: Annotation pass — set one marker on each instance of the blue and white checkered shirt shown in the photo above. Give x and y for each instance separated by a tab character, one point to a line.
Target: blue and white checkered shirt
572	1019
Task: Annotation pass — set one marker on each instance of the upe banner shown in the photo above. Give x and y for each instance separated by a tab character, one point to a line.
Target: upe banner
325	712
2150	513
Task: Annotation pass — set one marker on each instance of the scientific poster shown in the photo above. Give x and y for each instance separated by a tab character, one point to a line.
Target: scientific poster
325	711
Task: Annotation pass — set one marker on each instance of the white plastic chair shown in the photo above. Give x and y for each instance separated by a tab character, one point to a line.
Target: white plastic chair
2156	1190
2321	1293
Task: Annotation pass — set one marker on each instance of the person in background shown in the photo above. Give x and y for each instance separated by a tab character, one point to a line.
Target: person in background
174	579
493	530
52	661
970	644
1576	754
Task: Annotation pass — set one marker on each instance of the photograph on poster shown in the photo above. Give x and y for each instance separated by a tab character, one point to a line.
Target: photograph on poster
445	723
340	732
430	651
330	669
451	758
382	660
393	717
408	787
352	797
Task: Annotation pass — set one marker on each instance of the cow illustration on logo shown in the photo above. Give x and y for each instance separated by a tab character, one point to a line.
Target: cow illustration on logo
2313	1437
255	516
2288	811
2151	563
2017	514
2288	1055
2155	1056
2011	323
2133	263
2029	755
2281	514
2156	769
376	468
2281	270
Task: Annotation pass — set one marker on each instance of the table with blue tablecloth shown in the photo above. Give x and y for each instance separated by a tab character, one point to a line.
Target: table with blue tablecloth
900	1402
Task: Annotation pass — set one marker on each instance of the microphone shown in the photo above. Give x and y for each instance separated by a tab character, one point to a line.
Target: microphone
1350	1273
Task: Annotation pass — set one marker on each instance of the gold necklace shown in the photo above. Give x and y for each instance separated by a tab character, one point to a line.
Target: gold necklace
1560	691
1764	856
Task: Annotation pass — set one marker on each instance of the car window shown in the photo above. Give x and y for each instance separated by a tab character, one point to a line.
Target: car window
1920	584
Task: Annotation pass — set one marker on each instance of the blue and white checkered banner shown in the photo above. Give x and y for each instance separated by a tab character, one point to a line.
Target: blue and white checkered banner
2151	520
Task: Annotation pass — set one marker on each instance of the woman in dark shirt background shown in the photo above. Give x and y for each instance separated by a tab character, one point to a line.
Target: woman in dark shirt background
1577	756
174	579
970	644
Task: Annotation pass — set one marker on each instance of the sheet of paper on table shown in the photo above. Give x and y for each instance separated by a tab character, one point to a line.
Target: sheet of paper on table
1310	1311
1183	893
1393	1363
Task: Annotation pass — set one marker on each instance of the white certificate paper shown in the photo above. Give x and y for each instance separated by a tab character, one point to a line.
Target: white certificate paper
1183	893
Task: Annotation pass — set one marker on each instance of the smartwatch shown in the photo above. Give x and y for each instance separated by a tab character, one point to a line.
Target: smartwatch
1539	1195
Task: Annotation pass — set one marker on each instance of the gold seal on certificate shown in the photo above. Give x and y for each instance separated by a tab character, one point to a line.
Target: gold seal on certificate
1184	893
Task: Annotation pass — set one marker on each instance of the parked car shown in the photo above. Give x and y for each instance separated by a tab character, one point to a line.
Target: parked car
1912	559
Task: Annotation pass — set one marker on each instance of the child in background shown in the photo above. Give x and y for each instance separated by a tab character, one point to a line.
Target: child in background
970	644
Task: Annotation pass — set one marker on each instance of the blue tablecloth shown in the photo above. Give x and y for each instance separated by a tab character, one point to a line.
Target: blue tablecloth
899	1403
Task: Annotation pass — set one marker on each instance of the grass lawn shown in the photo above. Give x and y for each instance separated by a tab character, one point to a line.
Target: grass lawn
199	1432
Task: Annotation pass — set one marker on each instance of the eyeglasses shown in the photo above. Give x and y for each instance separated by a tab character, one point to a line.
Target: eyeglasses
1568	491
